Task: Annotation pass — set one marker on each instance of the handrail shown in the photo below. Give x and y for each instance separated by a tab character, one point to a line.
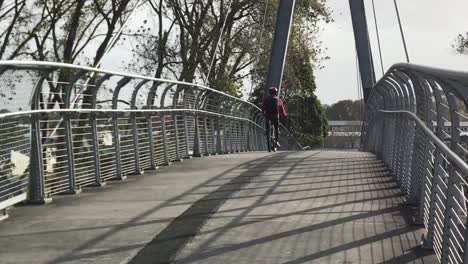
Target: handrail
89	111
452	156
115	73
73	141
414	124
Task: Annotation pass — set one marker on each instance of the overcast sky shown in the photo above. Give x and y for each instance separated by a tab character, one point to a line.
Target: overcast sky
430	26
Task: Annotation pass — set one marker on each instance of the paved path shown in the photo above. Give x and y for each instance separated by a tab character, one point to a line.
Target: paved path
305	207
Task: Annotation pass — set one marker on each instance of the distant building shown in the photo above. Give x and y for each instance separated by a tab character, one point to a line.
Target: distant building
344	134
347	134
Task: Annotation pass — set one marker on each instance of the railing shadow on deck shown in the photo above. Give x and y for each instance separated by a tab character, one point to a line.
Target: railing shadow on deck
166	245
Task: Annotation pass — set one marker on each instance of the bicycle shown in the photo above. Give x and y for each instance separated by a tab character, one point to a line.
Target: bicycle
271	142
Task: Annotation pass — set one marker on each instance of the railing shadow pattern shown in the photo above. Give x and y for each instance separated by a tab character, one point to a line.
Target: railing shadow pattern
259	216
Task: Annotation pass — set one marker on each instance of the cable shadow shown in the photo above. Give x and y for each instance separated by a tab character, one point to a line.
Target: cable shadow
74	254
305	190
311	228
320	182
331	173
391	222
355	244
394	187
415	253
164	247
297	213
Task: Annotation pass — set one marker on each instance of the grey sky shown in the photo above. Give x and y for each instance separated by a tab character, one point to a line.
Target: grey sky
430	27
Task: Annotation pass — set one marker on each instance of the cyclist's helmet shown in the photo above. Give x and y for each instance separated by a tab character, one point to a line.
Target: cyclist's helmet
273	91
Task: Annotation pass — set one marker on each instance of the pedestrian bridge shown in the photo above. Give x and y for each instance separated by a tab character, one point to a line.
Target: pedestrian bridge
287	207
108	167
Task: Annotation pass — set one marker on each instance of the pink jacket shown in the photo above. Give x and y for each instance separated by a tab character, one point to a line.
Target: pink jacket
281	110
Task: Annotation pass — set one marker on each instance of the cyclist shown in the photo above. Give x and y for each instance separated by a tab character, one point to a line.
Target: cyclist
273	110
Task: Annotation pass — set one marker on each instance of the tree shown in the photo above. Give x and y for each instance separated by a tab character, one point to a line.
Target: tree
219	43
461	43
224	66
77	32
208	41
153	52
306	116
306	120
348	110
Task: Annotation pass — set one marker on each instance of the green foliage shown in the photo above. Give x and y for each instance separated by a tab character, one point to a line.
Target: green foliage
228	85
306	119
345	110
461	43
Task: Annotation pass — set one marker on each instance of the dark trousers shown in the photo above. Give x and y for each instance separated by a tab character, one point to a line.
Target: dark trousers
275	123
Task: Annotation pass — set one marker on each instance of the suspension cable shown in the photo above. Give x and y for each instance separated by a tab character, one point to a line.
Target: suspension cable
107	50
262	29
359	88
378	38
218	43
401	31
361	101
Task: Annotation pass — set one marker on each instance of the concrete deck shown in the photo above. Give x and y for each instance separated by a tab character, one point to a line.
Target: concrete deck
304	207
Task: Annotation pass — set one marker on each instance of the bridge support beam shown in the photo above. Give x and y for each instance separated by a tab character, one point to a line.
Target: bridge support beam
363	48
280	44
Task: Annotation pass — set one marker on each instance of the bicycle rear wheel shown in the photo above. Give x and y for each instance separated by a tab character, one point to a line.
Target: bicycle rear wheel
272	140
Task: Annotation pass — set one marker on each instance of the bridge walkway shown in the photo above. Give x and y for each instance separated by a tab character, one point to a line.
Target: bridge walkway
287	207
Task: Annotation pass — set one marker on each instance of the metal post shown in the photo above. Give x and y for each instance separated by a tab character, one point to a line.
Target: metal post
136	144
36	193
116	134
164	139
187	154
205	136
66	120
236	136
225	135
241	137
452	181
133	117
36	190
231	137
436	174
92	118
72	188
249	135
280	44
115	120
176	137
149	124
244	137
214	142
96	156
218	137
254	138
196	144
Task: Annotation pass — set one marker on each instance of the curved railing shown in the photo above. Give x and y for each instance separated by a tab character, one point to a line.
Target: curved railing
416	123
64	127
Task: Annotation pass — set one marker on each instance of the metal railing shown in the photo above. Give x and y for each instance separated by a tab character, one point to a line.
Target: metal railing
64	127
416	123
